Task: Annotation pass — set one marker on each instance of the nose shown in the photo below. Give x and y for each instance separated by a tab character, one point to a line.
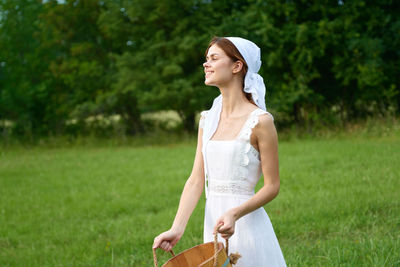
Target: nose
205	64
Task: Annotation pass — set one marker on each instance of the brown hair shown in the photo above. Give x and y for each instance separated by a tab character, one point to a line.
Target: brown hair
233	53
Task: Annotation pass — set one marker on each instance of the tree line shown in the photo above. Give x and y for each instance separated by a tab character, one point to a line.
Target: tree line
324	62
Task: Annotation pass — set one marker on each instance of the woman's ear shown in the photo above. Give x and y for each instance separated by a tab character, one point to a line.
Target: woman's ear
237	66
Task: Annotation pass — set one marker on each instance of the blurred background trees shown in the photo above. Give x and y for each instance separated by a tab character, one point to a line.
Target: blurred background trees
68	64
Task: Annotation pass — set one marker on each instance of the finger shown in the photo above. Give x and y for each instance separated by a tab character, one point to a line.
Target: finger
164	245
156	243
217	227
223	229
226	235
169	247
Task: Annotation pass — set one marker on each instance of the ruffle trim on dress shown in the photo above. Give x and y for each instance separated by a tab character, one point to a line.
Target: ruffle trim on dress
202	118
244	137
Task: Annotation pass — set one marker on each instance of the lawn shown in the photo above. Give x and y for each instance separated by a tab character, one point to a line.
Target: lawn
339	203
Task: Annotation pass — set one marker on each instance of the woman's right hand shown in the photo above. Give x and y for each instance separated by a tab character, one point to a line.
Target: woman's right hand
167	240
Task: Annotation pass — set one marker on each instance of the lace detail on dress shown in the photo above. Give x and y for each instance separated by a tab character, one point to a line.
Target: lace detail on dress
244	137
202	118
235	188
250	123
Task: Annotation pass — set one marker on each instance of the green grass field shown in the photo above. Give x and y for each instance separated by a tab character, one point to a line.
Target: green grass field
339	203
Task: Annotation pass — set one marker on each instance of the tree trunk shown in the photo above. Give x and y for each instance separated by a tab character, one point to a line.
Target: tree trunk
188	119
133	123
132	118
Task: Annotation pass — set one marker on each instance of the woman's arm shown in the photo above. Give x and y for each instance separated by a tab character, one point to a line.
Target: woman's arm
265	136
189	198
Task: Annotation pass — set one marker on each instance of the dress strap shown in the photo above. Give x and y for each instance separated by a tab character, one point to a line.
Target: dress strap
251	122
202	118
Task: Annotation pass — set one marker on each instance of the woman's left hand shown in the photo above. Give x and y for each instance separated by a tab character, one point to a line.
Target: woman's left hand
227	225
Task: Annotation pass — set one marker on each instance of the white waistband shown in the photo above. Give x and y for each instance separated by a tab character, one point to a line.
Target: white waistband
217	186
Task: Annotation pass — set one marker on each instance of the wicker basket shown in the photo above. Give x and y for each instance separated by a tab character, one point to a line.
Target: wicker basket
211	254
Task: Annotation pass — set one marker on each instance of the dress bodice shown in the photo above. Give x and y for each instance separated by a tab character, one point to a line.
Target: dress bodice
229	171
232	169
233	166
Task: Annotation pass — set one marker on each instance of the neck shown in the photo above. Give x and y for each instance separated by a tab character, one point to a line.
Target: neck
233	99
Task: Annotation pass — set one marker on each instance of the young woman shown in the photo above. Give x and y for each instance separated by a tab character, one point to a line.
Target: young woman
237	142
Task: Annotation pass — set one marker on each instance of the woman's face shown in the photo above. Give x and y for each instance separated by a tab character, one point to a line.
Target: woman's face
218	67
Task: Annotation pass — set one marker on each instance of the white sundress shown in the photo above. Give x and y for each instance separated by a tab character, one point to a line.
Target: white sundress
234	169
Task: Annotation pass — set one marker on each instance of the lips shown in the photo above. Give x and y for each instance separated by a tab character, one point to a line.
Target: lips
208	72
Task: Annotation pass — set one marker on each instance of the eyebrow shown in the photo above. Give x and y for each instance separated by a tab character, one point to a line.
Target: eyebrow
215	54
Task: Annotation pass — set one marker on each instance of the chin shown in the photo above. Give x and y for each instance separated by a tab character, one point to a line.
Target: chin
207	82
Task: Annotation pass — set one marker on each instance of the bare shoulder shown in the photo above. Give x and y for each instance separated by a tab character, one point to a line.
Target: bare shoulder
265	127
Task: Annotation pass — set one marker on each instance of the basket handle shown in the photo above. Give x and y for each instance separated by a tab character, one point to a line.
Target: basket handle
155	256
216	247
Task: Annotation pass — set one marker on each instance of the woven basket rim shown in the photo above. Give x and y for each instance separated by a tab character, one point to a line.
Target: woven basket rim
220	244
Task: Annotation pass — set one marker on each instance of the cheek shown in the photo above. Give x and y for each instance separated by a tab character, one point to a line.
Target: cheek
223	69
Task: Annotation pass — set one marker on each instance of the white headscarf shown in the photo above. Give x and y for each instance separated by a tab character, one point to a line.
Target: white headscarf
253	84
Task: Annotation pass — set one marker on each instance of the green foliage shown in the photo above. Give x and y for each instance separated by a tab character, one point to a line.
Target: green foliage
22	89
324	62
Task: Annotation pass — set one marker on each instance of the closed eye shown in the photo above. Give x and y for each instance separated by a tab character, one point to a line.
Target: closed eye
212	59
212	56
